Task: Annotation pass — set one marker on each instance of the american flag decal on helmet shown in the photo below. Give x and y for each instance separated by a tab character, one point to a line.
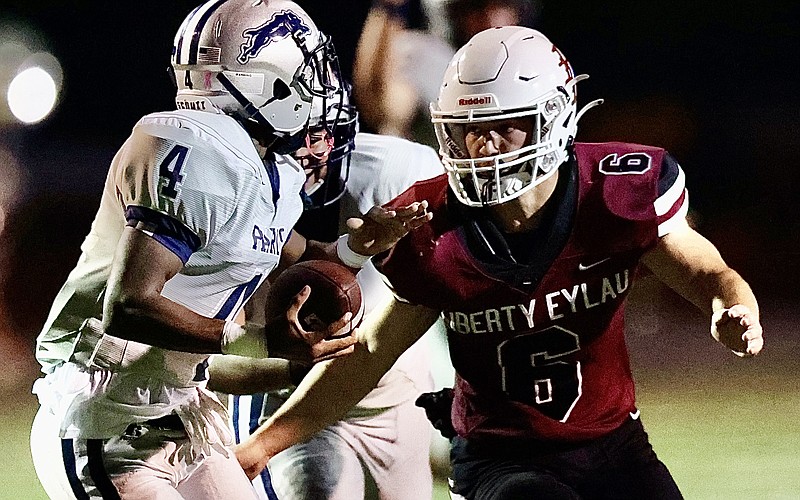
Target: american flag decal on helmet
187	50
208	55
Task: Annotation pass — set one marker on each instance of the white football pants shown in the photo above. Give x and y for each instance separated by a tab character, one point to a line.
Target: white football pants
146	463
384	457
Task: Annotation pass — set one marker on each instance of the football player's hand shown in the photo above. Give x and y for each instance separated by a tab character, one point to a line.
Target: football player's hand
380	228
437	407
251	457
738	329
286	337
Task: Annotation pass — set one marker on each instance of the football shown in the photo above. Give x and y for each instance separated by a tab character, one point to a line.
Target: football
334	291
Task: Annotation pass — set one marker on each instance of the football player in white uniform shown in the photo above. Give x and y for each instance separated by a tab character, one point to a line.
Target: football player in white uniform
196	209
385	439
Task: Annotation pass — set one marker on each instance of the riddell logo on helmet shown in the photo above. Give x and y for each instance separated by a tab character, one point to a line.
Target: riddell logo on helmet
473	100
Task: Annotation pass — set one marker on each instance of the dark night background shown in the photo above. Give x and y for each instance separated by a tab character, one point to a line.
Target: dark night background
714	82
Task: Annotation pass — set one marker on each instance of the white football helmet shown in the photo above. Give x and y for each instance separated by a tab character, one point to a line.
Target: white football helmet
261	61
504	73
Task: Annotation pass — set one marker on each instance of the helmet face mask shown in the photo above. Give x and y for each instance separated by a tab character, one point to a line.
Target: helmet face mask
261	62
505	74
326	157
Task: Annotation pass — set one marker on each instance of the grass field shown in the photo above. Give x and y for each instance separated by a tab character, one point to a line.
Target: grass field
727	428
718	445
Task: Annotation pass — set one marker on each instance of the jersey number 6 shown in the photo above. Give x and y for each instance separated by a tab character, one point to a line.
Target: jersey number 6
535	371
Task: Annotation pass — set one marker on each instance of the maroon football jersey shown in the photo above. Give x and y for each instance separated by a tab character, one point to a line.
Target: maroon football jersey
535	321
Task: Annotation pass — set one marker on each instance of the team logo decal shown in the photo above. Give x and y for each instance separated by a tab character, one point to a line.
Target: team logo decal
562	61
281	25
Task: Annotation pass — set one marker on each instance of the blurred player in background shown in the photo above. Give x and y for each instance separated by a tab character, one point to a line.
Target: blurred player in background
385	439
404	48
197	206
531	253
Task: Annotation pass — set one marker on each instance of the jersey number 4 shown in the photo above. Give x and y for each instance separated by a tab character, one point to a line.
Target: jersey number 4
171	177
536	371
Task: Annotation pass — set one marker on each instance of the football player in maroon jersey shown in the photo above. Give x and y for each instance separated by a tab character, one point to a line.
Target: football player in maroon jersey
532	250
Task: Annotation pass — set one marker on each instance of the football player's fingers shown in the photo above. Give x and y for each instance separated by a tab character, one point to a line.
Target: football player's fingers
720	317
418	221
741	314
754	346
340	327
298	300
363	228
355	223
334	336
314	337
738	310
415	209
379	214
752	332
396	220
754	338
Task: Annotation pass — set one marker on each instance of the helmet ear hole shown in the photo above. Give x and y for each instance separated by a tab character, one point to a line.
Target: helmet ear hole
280	90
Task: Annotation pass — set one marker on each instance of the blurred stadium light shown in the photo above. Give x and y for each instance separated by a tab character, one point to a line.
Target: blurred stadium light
30	78
33	91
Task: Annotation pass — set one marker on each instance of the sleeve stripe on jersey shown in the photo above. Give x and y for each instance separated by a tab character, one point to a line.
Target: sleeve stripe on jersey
169	232
666	201
675	217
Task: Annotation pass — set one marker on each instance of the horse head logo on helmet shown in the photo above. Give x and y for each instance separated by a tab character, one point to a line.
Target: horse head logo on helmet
281	25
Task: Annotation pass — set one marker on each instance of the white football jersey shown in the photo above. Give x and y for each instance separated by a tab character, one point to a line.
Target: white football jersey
195	182
381	168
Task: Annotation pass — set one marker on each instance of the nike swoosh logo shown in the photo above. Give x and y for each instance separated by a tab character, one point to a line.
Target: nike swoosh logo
582	267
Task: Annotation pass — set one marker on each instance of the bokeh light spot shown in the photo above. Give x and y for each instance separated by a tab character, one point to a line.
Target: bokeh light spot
32	95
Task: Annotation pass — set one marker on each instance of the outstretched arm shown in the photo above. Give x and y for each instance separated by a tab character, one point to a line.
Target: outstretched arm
692	266
332	388
374	232
241	375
